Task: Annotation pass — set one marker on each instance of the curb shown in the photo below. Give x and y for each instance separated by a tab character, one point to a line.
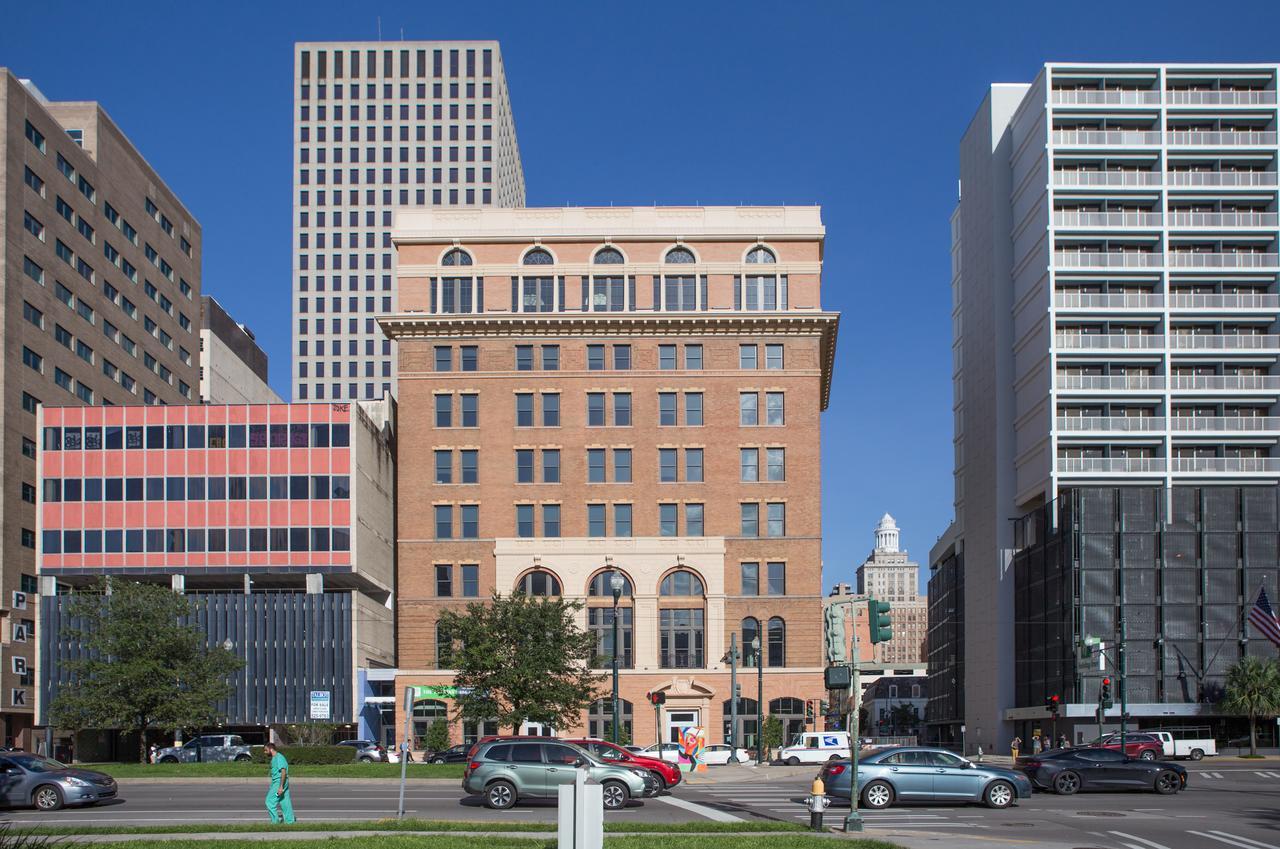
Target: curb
301	779
221	836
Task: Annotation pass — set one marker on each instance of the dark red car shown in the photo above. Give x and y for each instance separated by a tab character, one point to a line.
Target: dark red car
1145	747
667	772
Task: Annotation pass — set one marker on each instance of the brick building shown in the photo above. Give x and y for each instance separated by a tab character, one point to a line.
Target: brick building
626	389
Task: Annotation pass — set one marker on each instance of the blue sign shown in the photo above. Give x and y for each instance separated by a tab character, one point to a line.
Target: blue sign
830	741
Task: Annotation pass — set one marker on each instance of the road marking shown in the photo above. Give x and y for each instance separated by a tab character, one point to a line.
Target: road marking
1233	840
701	810
1141	840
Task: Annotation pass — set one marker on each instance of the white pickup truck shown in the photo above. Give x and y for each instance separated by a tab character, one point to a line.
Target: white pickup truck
1191	743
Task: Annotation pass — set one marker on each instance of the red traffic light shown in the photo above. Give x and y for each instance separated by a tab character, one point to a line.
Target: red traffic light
658	698
1106	682
1054	699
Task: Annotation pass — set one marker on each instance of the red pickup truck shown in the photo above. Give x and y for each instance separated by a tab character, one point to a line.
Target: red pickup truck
1145	747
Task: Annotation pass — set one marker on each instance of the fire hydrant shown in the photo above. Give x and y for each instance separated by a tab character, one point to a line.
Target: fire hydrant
817	803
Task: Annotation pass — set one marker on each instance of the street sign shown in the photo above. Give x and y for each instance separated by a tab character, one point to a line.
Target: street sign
321	704
438	691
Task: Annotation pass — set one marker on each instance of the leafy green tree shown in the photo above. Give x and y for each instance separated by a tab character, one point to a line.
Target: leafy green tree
437	737
519	658
1253	689
772	737
147	666
903	718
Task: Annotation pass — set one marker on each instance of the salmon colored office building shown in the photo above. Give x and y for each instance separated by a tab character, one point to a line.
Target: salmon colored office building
623	390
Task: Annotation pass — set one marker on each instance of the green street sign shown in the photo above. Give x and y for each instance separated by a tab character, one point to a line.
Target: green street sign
439	691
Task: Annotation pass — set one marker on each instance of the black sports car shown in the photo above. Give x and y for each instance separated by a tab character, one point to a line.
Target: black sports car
1068	771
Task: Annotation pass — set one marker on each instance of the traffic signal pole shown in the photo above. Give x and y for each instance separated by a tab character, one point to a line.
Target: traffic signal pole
853	822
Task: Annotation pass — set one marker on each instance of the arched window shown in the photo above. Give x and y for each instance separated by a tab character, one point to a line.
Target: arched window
679	290
608	256
760	289
679	256
600	720
452	294
682	582
750	632
791	712
426	712
746	732
777	642
444	647
457	256
602	587
760	254
539	583
608	290
538	256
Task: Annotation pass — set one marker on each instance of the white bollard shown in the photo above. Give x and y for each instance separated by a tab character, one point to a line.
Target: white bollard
580	820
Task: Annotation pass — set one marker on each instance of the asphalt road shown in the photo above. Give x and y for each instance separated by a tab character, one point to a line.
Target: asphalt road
1230	806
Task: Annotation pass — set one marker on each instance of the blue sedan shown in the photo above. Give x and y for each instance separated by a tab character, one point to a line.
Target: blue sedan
920	774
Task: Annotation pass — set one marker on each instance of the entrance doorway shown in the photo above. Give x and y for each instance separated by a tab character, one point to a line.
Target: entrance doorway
676	721
536	729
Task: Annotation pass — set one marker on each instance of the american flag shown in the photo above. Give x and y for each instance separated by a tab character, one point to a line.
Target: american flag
1264	618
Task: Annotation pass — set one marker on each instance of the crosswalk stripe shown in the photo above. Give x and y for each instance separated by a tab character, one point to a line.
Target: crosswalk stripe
1233	839
1141	840
1248	840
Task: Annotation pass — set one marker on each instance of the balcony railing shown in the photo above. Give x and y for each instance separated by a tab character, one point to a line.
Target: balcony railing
1221	178
1104	301
1063	218
1224	383
1112	341
1111	382
1223	219
1108	138
1123	424
1193	259
1224	302
1223	424
680	660
1221	138
1107	259
1107	178
1226	464
1206	98
1094	465
1222	342
1084	96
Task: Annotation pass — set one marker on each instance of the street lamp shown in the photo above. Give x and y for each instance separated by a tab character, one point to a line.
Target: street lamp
755	648
615	583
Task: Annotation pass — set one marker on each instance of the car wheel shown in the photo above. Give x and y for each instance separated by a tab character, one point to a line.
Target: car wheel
793	761
877	795
833	758
366	760
1197	754
616	795
437	760
168	759
1148	755
1066	784
1167	782
500	795
1000	794
47	797
243	758
662	782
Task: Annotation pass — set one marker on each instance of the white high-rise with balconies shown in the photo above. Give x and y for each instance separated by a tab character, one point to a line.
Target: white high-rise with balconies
1115	310
379	125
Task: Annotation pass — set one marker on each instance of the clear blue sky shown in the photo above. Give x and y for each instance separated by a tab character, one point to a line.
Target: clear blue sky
855	105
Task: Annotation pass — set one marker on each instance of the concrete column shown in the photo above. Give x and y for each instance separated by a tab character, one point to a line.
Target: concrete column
179	583
644	632
315	583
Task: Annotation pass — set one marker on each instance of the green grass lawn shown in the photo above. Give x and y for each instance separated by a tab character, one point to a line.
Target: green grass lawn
706	827
460	842
252	770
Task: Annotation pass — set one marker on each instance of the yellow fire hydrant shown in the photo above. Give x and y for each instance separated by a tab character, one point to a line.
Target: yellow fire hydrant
817	802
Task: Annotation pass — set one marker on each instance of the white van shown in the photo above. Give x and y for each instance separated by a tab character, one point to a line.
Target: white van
815	747
1192	743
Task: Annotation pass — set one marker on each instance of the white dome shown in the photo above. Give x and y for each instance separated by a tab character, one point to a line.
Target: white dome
887	534
886	522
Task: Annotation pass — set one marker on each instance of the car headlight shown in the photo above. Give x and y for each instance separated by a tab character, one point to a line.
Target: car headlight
76	782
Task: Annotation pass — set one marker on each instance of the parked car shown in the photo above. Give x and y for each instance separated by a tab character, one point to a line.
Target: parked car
665	771
49	785
367	751
719	753
454	755
207	748
1068	771
1136	745
669	752
504	771
814	747
920	774
1191	743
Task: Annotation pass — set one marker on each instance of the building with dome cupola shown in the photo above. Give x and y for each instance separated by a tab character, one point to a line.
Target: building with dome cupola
888	575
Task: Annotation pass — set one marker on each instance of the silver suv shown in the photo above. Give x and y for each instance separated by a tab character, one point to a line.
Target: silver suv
504	772
208	748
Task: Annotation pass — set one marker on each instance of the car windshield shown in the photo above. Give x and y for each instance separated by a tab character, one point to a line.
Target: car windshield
31	763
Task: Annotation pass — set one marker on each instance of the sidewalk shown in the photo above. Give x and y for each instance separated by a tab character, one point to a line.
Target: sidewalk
214	836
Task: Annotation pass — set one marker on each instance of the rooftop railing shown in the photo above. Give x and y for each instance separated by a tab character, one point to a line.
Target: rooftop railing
1107	259
1111	382
1107	178
1122	424
1223	302
1221	178
1113	341
1194	259
1107	301
1085	96
1224	383
1068	218
1226	464
1104	465
1223	341
1251	97
1223	219
1221	424
1221	138
1108	138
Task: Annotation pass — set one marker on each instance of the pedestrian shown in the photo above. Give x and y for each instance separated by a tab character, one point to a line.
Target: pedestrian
1046	743
279	802
1035	744
1063	743
1014	745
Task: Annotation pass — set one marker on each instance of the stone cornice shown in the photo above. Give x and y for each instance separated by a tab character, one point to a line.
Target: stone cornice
407	326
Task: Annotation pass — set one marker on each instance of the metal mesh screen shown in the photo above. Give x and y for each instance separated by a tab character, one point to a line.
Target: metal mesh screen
1221	551
1180	621
1221	621
1261	550
1139	509
1180	585
1097	551
1221	586
1185	506
1098	621
1221	508
1142	688
1097	586
1259	508
1097	510
1180	550
1139	586
1140	626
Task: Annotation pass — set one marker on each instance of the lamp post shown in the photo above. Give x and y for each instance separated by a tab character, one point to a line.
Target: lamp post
755	648
616	584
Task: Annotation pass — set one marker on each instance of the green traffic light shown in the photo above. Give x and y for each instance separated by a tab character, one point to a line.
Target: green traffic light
878	621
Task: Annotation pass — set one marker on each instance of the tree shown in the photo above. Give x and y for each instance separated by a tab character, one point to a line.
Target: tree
311	733
437	737
1253	689
903	717
146	668
772	736
519	658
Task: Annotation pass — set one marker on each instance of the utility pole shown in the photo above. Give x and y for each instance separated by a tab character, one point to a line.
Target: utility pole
733	693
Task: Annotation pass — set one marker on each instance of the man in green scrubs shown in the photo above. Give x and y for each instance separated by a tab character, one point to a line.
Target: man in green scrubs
278	793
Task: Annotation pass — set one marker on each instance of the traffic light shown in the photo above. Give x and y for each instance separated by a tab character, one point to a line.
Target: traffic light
1053	703
878	621
808	712
737	691
826	707
658	698
1104	694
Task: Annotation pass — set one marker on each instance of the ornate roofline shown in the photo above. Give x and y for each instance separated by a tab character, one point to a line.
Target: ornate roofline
404	326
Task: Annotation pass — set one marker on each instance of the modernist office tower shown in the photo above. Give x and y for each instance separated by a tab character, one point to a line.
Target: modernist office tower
625	390
378	125
1116	380
101	281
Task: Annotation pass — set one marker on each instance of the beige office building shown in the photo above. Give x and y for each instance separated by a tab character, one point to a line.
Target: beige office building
101	280
889	575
